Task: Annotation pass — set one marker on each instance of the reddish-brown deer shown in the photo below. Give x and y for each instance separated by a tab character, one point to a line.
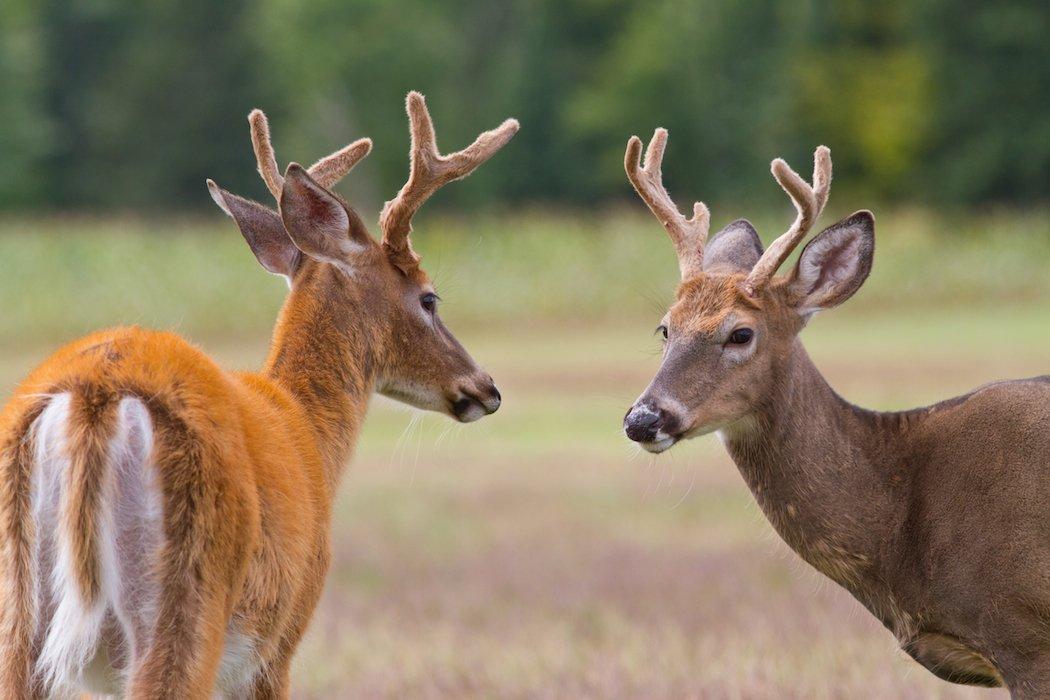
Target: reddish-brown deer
164	523
936	519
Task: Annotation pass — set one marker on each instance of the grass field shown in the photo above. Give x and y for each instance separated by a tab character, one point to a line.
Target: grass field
538	553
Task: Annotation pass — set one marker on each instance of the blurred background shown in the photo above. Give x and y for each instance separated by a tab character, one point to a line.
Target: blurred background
538	553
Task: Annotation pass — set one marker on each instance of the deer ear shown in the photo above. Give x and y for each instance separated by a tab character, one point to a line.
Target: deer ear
736	248
834	264
319	223
262	229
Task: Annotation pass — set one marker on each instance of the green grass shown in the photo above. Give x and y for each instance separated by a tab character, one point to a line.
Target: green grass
538	553
65	276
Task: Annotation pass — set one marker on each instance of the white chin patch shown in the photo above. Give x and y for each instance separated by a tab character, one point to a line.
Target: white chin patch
659	444
475	412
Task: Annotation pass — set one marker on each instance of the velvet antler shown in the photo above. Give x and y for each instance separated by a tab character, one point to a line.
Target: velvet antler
327	171
809	200
688	235
428	172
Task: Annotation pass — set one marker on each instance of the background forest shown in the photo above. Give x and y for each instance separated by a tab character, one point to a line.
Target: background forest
129	106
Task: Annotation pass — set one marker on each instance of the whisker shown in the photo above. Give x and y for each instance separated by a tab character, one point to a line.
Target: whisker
688	491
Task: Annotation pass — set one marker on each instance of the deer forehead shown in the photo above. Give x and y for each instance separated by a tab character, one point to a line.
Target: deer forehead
705	302
417	278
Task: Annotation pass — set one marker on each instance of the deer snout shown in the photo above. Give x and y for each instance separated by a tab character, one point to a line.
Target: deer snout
650	426
478	399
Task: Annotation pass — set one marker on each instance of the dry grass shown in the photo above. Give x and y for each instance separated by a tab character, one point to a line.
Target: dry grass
537	554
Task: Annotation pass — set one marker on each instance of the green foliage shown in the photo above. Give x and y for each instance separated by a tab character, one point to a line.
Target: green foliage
992	82
24	123
65	276
131	105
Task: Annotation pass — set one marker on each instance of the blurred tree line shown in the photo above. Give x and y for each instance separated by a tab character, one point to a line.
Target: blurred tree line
114	104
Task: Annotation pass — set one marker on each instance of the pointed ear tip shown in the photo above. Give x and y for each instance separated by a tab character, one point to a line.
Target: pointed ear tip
218	197
740	223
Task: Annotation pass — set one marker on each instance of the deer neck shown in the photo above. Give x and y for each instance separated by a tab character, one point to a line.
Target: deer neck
817	467
324	353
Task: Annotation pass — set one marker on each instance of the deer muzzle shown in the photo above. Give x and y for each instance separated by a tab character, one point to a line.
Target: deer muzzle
651	426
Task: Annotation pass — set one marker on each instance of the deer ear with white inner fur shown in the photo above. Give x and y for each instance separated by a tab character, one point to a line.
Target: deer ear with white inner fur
319	223
262	229
834	264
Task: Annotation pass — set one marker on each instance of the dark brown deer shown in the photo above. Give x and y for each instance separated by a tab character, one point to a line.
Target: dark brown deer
937	519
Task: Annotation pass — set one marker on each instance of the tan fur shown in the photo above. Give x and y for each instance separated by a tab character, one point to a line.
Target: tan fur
247	462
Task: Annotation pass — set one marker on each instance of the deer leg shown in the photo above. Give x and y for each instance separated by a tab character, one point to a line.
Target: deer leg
275	681
200	568
183	659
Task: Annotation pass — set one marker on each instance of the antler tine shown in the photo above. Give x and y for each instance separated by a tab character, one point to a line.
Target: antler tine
688	235
264	155
429	170
809	201
333	168
327	171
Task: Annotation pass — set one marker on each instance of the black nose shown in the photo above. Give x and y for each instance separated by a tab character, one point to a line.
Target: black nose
463	405
642	422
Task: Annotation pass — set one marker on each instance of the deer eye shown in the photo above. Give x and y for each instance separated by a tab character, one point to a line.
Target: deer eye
741	336
429	302
662	330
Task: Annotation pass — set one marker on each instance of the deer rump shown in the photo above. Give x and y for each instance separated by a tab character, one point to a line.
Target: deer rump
98	515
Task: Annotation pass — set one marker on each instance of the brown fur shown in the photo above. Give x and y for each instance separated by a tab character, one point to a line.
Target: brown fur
92	423
17	611
248	462
936	519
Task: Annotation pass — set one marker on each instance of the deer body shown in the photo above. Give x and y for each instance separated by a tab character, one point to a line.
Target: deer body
896	509
936	519
165	523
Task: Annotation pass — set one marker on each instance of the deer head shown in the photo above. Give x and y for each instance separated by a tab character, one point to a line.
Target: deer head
354	286
730	333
